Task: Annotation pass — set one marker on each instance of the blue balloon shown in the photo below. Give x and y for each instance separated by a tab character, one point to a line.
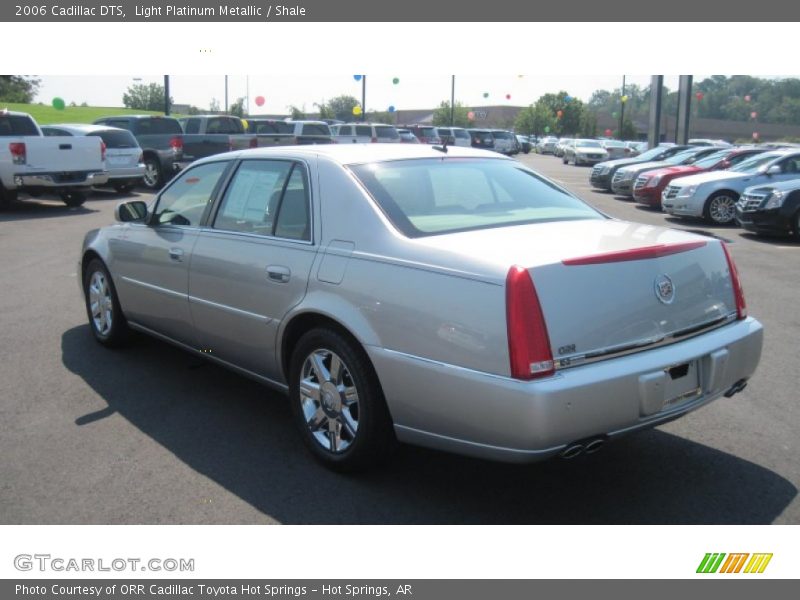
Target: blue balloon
391	109
567	98
357	77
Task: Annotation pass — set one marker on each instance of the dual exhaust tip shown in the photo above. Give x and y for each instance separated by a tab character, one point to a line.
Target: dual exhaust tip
589	446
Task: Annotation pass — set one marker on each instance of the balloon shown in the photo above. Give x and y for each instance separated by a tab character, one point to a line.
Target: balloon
58	103
753	115
520	76
547	128
624	99
357	77
471	116
559	113
614	115
245	124
260	100
747	98
356	110
608	132
392	108
755	135
567	98
508	96
485	94
699	95
396	80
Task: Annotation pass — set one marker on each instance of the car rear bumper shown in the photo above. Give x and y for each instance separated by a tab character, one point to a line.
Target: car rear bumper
488	416
127	173
60	180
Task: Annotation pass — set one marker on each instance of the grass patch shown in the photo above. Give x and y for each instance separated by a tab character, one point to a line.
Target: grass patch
45	114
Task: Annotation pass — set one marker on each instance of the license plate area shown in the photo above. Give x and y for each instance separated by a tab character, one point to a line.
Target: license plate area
681	384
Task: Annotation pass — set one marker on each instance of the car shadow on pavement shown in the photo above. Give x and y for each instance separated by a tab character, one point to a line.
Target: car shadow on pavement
41	208
239	434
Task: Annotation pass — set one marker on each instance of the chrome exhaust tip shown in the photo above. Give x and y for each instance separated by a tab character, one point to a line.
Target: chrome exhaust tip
595	445
571	451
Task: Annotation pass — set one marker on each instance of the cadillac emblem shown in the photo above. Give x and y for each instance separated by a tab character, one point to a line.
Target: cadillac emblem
665	290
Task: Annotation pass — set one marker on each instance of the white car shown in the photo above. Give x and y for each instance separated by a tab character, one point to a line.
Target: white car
713	195
124	159
455	136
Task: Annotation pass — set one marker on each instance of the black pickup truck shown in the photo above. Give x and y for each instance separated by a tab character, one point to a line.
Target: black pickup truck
207	135
273	132
162	142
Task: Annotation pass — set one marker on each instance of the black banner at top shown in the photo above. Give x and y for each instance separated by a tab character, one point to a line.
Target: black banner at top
541	11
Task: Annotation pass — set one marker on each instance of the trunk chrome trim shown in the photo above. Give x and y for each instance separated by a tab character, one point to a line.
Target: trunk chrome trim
576	360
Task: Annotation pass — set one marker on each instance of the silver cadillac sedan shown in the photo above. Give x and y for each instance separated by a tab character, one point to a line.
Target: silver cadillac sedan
441	296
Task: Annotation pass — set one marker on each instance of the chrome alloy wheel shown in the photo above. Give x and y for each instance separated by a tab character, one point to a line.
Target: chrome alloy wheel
101	304
151	174
329	399
722	209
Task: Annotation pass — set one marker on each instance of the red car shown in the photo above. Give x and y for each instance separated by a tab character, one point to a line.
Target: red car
648	186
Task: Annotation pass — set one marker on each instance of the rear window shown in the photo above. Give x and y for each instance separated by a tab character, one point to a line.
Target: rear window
17	125
443	131
157	126
271	127
502	135
316	129
460	133
345	130
434	196
386	133
116	139
224	125
428	132
484	136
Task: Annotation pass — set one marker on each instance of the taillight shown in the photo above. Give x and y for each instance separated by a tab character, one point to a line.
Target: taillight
176	144
103	148
254	143
19	154
738	291
528	342
374	140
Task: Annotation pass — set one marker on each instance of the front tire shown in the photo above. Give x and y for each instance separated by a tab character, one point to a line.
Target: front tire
73	199
720	208
7	197
106	320
337	402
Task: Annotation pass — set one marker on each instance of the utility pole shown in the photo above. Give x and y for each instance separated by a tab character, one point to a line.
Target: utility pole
166	95
621	107
452	100
363	97
226	94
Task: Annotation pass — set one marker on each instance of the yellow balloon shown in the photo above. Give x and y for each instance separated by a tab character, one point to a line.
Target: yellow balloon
245	124
356	110
624	98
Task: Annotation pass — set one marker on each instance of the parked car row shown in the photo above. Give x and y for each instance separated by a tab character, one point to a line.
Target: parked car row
755	187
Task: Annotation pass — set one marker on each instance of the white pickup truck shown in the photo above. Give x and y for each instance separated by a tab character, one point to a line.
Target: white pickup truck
32	163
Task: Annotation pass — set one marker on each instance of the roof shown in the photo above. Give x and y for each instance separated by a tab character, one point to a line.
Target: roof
82	127
346	154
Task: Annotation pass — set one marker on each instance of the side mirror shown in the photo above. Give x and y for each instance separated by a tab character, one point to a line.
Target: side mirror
774	170
133	210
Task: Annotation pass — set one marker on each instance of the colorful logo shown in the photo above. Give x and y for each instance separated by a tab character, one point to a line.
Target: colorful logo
717	562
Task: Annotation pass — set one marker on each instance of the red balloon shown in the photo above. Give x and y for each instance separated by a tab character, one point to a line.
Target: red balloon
608	132
753	115
471	116
755	135
260	100
747	98
508	96
699	95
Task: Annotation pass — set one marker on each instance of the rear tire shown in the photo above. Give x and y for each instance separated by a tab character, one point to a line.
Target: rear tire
337	402
73	199
106	320
7	197
720	208
123	188
153	177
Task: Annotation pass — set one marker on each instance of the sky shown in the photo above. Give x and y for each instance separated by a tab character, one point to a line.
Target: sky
280	91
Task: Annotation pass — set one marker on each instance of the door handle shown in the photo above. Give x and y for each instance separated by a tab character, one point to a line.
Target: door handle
176	254
278	273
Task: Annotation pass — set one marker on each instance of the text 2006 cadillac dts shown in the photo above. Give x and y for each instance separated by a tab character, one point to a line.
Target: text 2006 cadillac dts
447	297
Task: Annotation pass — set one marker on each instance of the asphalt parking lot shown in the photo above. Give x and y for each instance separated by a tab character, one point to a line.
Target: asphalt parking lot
149	434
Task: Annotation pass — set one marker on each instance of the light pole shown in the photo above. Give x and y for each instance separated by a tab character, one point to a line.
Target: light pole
166	95
363	97
452	100
622	107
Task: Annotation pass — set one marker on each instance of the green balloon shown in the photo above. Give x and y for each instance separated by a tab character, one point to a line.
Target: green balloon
485	94
396	80
58	103
547	129
614	115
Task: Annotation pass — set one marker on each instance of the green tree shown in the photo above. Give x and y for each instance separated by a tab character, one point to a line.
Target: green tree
441	116
325	111
588	124
342	107
18	88
213	106
628	131
237	108
145	97
381	116
297	114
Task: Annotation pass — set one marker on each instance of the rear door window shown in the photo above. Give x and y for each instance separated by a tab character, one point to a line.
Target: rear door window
315	129
155	126
387	133
363	131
